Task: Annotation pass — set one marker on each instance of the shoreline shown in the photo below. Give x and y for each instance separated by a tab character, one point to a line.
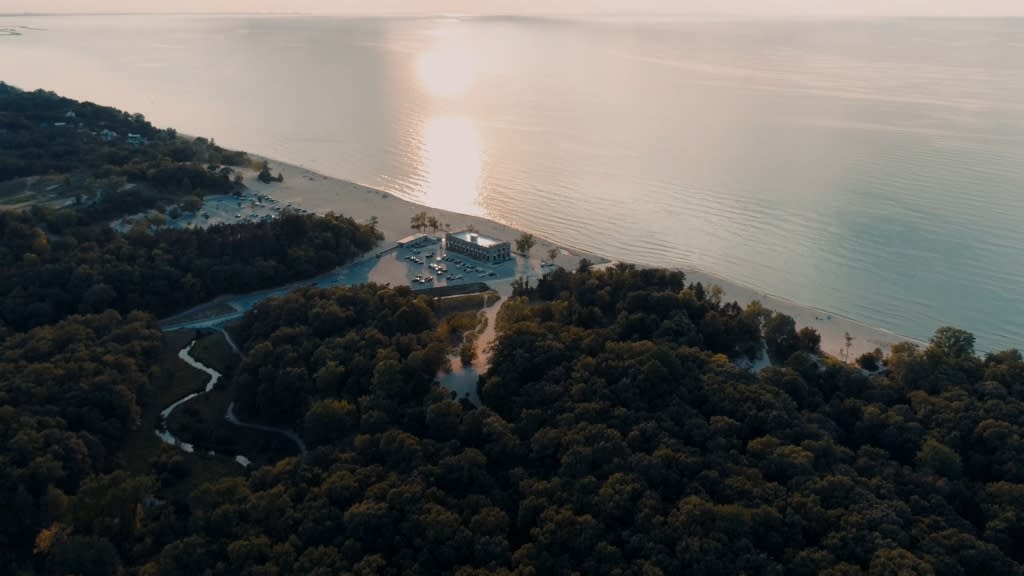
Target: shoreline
307	189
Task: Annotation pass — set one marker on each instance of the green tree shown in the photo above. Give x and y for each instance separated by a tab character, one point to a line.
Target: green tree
467	351
780	337
868	361
330	379
418	221
939	458
898	562
84	556
329	420
525	243
387	378
191	203
808	340
266	176
953	342
848	343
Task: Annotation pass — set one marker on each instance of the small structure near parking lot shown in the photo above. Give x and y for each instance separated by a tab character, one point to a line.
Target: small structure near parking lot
478	247
412	240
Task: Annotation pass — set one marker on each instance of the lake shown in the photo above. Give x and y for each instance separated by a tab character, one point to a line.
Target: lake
871	169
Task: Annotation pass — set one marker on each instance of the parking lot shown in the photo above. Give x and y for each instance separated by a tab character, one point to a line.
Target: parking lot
427	265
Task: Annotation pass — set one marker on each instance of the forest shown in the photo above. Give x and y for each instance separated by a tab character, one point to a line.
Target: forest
68	260
45	134
618	433
54	268
612	440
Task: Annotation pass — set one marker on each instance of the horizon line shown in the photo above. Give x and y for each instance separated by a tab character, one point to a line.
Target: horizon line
474	16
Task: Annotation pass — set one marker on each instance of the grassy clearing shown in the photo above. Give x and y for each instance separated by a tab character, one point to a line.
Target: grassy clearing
463	320
21	193
467	302
215	352
462	317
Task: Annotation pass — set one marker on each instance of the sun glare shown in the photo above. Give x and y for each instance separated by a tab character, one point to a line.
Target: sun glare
446	71
452	164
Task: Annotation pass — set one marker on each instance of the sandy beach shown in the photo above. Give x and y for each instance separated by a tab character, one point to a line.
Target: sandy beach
317	193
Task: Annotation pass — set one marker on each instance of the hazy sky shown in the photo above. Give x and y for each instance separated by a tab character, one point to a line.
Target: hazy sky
750	8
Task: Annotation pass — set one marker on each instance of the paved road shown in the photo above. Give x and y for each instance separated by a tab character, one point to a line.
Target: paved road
235	306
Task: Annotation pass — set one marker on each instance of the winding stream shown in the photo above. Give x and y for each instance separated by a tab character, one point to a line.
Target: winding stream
167	437
462	380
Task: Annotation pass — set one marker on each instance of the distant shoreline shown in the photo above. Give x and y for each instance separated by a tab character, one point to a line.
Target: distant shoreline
318	193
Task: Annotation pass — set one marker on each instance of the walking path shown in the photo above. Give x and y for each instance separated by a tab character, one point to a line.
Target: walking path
168	437
230	415
289	434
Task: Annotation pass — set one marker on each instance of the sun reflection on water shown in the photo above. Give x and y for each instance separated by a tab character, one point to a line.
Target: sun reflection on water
452	164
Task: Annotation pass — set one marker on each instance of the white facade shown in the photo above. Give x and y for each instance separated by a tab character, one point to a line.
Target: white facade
478	247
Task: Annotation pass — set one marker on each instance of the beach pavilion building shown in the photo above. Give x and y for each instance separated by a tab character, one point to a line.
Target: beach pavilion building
478	247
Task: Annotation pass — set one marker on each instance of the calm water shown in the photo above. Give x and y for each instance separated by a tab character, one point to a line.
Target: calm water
875	170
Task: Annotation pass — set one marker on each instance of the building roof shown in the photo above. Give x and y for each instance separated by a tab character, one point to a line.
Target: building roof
478	239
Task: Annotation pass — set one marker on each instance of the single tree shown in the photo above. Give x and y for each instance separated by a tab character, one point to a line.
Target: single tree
264	175
552	254
418	221
809	340
939	458
868	361
524	243
953	342
329	420
191	203
780	337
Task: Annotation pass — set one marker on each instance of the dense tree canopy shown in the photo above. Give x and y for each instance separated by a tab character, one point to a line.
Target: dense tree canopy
619	433
324	351
54	264
67	401
612	441
44	134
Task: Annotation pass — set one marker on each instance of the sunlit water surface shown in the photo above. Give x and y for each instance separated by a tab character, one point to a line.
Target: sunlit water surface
871	169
